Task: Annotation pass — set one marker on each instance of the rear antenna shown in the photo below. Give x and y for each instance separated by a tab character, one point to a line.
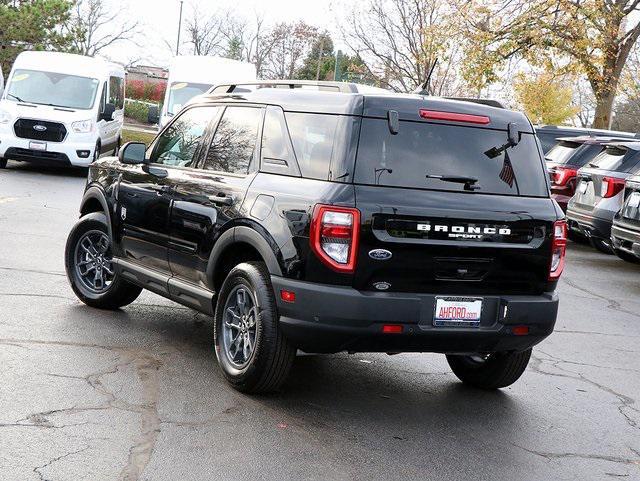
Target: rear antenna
424	88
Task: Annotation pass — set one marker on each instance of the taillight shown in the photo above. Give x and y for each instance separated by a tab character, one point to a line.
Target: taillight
558	249
334	236
561	175
611	187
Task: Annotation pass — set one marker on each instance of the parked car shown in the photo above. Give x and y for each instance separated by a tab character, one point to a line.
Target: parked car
569	155
61	109
550	134
599	192
190	76
333	221
625	232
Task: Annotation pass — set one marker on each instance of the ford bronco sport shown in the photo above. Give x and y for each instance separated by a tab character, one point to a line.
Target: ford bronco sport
330	220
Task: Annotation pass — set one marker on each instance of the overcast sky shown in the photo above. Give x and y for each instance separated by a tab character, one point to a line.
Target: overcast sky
159	21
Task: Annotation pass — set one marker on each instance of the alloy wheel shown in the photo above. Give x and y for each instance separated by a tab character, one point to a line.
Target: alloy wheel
239	326
94	261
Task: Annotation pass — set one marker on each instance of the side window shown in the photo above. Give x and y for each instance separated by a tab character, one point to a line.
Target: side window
116	92
234	142
103	97
313	138
277	152
178	144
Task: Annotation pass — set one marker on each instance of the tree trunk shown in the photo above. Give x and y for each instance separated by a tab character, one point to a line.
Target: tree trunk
604	107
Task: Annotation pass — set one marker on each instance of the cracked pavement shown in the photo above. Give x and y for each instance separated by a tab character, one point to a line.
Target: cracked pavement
137	395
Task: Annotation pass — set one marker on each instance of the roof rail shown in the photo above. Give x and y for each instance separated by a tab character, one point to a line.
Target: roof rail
228	88
489	102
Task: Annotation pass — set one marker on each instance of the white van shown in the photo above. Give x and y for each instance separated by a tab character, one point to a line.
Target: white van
61	109
190	76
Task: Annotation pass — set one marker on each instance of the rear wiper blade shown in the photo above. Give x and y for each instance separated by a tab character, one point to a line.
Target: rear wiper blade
592	165
469	182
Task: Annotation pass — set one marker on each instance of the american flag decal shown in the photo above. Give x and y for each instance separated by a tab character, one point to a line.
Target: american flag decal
506	174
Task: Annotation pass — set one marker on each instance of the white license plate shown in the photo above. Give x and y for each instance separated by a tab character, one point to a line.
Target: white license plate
582	188
41	146
457	311
634	200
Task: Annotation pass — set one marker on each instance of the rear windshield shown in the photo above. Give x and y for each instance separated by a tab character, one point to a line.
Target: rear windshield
615	159
562	151
421	149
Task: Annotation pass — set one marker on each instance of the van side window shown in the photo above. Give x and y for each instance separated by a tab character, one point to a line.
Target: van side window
178	145
277	152
313	138
116	92
234	142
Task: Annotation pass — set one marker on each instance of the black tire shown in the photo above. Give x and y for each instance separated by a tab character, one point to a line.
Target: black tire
3	163
625	256
119	293
268	365
577	237
601	245
498	370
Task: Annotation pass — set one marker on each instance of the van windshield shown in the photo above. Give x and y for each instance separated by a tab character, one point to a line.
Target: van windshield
448	157
181	92
55	89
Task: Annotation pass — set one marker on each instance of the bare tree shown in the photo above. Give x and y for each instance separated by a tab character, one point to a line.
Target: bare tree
400	41
207	35
96	26
290	44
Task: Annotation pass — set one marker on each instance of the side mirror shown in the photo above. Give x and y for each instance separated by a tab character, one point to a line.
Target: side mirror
513	134
132	153
107	114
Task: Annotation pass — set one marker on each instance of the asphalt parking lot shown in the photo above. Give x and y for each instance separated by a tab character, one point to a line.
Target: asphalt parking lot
137	395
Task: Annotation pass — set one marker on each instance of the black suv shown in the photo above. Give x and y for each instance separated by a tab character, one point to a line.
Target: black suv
332	221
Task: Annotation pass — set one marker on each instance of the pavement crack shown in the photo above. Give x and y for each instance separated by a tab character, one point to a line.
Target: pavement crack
33	271
598	457
612	304
38	469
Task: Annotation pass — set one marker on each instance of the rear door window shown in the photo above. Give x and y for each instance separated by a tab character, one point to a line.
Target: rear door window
422	148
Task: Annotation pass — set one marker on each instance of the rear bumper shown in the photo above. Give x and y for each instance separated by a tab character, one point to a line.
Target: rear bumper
625	239
594	224
333	319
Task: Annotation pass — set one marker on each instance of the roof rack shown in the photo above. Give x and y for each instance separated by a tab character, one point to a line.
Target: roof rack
228	88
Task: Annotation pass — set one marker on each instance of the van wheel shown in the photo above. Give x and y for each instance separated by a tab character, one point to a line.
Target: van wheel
601	245
251	350
90	269
491	371
3	163
625	256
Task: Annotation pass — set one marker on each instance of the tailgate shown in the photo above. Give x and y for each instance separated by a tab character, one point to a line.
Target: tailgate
444	242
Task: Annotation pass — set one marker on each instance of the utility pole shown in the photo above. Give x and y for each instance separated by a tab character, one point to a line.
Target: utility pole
179	28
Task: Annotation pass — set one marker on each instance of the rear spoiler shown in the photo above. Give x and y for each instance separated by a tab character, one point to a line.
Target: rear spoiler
489	102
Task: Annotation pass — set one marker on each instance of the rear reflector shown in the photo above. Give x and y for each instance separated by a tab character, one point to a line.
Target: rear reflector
454	117
611	187
333	236
392	329
520	330
288	296
558	249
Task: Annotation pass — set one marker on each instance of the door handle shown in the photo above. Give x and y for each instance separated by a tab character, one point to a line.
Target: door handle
221	199
161	189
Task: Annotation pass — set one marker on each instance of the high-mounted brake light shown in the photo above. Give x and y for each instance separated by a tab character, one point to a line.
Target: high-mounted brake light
558	249
611	187
454	117
333	236
562	175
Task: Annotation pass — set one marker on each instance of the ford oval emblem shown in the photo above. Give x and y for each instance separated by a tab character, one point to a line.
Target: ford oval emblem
39	128
380	254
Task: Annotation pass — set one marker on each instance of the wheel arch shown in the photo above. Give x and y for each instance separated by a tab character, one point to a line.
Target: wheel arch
240	244
95	201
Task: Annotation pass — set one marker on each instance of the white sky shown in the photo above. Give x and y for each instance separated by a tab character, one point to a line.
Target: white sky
159	21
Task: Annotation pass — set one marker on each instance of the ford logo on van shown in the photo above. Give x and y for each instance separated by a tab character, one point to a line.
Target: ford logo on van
39	128
380	254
